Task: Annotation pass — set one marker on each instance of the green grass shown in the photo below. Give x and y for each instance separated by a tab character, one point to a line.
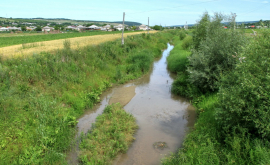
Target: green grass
16	40
111	134
177	60
207	144
42	96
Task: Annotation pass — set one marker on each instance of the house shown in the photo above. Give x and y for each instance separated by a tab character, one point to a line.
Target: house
31	28
70	27
80	28
4	29
47	28
107	27
143	27
119	27
14	28
93	27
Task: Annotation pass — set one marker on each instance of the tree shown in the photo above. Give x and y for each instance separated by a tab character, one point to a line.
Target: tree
199	33
38	28
56	27
156	27
214	53
134	27
23	28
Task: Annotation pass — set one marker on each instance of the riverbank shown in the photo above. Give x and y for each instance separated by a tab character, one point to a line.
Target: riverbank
227	131
43	95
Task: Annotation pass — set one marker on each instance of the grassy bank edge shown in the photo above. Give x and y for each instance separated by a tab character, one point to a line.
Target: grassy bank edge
111	134
207	143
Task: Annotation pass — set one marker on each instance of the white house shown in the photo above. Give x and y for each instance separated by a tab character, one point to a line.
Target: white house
14	28
93	27
107	27
80	27
143	27
119	27
71	27
47	28
4	29
30	28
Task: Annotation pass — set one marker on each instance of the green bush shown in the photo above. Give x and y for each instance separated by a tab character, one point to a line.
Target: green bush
214	54
245	92
187	43
200	32
182	35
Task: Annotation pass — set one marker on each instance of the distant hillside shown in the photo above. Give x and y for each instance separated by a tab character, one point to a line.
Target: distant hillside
71	21
129	23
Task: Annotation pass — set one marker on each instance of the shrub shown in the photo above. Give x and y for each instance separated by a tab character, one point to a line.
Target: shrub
182	35
245	92
187	42
214	54
199	34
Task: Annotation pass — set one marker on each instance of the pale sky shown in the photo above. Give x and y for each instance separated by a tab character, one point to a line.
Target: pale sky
170	12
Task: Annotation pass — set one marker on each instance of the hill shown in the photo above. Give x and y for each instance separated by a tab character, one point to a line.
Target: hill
68	21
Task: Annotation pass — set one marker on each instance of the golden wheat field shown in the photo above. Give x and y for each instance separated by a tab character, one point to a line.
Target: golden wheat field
51	46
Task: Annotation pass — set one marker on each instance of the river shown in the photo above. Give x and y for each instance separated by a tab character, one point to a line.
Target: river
163	118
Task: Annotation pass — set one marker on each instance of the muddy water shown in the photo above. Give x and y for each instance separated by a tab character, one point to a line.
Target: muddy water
162	117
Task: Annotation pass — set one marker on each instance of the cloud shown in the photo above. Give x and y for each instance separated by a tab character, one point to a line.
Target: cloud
265	2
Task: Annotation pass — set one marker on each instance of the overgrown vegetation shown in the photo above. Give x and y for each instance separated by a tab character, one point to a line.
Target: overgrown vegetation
41	96
111	134
230	88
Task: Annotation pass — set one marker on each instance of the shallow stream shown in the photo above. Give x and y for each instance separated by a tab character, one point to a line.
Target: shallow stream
163	118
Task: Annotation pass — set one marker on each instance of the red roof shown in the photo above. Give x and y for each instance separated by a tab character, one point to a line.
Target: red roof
252	26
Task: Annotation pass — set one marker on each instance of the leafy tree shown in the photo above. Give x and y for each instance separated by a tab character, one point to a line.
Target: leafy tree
38	28
156	27
23	28
214	53
200	31
56	27
245	92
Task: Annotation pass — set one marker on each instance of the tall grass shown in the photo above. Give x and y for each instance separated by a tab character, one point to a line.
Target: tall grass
111	134
41	96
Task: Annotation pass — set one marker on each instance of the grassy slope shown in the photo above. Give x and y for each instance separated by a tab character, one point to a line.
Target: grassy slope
41	96
111	134
206	144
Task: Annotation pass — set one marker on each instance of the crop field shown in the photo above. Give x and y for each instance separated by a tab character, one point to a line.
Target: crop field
51	46
7	39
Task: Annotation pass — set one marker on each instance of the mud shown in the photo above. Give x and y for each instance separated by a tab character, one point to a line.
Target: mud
123	95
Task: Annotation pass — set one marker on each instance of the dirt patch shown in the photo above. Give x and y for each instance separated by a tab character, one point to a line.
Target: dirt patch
123	95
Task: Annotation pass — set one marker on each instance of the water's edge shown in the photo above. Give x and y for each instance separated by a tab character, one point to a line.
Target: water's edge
161	116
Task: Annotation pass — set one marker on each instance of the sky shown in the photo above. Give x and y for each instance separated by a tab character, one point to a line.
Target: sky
160	12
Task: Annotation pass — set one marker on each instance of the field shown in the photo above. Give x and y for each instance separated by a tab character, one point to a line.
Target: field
24	38
52	46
